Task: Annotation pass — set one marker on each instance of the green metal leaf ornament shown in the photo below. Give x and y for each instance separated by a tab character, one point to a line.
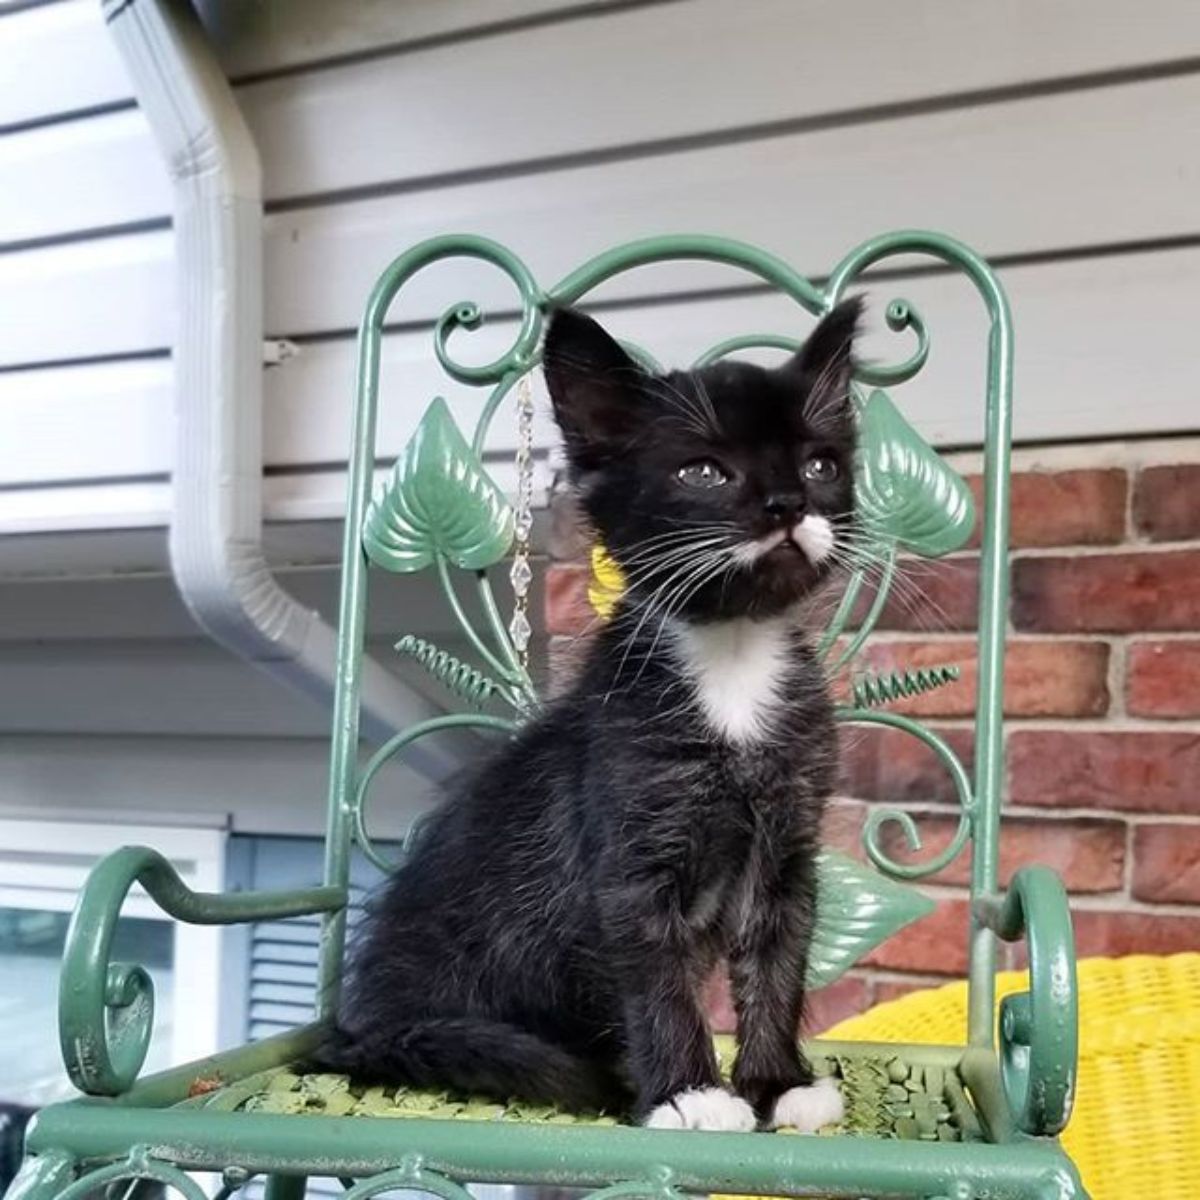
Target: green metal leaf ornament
857	910
438	501
905	492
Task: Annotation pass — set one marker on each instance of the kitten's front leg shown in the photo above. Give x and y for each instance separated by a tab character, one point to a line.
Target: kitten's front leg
669	1048
767	966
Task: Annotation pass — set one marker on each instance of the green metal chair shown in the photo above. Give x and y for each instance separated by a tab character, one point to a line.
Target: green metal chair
972	1120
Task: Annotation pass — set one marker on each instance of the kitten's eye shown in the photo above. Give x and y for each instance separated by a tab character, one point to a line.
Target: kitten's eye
821	469
703	473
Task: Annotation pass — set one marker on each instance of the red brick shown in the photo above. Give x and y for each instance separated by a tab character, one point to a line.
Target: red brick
935	945
1166	864
1041	678
1114	593
1130	771
1062	508
1166	502
570	538
930	596
842	998
1162	679
1113	934
842	827
893	989
1088	853
567	609
885	764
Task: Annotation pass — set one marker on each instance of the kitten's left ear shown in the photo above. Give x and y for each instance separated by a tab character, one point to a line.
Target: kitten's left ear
595	388
823	365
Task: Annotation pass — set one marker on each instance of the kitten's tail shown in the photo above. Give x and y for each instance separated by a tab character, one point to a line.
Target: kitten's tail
472	1055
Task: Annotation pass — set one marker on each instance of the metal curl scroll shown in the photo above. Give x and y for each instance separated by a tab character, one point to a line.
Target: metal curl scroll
410	1176
1039	1028
391	748
750	341
695	248
899	315
136	1166
872	835
106	1008
660	1188
468	316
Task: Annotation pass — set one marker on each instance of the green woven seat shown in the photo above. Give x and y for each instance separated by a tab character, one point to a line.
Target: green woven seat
974	1120
886	1095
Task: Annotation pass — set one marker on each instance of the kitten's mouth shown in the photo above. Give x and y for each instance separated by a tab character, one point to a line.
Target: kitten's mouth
811	539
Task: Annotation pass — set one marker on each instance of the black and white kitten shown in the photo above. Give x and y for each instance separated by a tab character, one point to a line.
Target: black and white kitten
548	936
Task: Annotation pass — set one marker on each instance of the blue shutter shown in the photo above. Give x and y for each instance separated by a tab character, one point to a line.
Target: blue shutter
278	971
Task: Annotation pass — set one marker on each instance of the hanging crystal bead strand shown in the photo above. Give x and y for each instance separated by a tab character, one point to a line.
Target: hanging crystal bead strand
521	573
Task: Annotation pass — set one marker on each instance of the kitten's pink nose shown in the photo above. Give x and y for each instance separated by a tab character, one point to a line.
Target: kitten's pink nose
785	507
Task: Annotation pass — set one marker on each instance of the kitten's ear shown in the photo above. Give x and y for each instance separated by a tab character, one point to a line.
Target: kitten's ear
823	365
594	385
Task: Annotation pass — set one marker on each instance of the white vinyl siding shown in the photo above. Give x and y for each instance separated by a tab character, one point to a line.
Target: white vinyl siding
1056	138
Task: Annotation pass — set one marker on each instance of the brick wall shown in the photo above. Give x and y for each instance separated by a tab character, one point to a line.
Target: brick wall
1102	699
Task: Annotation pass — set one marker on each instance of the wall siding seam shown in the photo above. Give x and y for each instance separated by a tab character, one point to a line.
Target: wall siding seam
86	113
483	31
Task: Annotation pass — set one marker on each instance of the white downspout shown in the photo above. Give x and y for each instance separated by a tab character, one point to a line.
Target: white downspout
216	524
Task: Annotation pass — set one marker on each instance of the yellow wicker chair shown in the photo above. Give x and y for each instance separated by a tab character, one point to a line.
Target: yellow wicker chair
1135	1128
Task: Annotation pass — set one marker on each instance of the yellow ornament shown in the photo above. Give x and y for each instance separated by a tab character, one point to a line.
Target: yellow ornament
607	584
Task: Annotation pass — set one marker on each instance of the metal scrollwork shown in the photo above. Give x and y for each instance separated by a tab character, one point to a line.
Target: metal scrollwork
899	316
106	1008
873	832
913	502
412	1176
1039	1028
391	748
871	690
750	341
137	1166
659	1188
465	681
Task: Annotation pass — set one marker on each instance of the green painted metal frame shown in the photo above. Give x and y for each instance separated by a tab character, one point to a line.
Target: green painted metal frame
128	1129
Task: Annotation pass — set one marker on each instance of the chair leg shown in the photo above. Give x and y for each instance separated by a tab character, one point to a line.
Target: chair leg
1063	1184
42	1177
285	1187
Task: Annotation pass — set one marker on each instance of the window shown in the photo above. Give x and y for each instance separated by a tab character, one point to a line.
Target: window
43	864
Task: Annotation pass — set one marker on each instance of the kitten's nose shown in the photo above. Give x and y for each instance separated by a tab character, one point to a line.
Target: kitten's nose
785	507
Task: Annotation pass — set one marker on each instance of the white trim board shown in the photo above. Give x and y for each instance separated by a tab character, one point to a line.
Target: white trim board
1102	167
66	61
247	784
484	102
1081	369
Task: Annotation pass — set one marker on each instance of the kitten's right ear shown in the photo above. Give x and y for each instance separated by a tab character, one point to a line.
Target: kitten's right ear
594	385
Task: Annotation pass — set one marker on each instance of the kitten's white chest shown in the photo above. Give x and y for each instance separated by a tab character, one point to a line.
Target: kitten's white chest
738	669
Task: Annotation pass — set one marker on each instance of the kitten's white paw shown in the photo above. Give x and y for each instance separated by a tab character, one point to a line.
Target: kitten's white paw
809	1108
709	1108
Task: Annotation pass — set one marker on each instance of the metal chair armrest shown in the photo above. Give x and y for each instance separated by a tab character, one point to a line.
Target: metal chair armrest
106	1008
1039	1029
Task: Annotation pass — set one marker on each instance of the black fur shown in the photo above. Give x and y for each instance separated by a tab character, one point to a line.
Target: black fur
548	936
